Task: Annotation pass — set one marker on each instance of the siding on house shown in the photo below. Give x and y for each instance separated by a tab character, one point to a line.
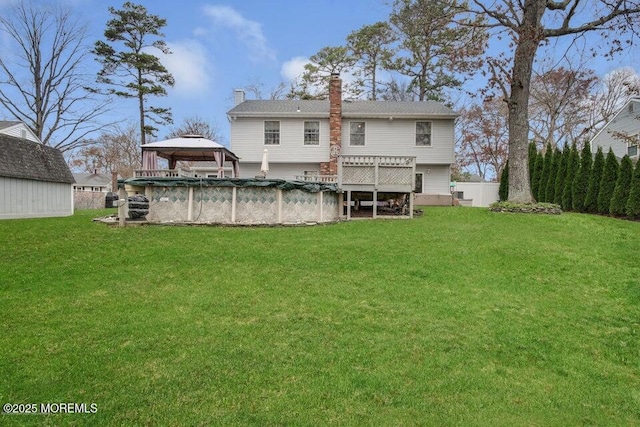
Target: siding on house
627	122
18	130
435	178
278	170
382	138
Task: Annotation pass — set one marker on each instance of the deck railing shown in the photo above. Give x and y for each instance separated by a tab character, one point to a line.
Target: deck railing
317	178
378	172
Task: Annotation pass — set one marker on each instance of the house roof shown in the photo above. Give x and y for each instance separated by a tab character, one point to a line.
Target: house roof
26	159
350	109
92	179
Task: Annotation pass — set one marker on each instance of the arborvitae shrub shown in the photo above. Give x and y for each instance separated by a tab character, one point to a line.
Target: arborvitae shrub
537	175
581	181
533	154
503	190
572	167
633	203
591	201
562	172
621	190
607	183
546	171
553	173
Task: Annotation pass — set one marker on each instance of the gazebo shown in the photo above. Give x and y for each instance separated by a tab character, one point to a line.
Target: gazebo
188	148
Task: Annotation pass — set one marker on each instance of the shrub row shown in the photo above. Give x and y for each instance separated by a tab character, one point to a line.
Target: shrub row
580	182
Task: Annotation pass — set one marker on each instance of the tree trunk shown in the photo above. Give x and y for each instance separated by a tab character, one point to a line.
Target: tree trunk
141	109
529	37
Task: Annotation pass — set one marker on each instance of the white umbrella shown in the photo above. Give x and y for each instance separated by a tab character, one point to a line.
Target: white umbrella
265	163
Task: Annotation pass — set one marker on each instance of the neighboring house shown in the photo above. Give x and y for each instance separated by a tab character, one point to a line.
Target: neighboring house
17	129
95	182
303	137
622	133
35	181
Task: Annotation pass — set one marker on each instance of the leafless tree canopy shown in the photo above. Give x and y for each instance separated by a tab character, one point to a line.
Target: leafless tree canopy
117	150
42	80
196	126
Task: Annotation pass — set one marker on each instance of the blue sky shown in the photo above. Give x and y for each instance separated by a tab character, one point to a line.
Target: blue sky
220	46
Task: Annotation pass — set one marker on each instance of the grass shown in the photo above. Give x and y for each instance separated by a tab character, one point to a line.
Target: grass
460	317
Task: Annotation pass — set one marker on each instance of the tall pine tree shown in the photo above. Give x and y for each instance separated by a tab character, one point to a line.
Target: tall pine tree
572	167
633	203
621	190
591	200
607	183
581	181
560	177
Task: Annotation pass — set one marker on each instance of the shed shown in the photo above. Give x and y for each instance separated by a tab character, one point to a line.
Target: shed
35	180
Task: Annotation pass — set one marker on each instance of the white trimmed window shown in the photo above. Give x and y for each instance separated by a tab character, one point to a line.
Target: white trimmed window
271	133
311	133
632	147
356	134
423	134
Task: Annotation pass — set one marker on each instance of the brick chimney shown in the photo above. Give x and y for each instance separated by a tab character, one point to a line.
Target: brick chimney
335	125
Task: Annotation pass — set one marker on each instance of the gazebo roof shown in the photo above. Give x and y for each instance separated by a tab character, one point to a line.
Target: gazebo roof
188	147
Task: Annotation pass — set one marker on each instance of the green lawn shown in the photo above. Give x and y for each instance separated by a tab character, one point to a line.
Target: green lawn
460	317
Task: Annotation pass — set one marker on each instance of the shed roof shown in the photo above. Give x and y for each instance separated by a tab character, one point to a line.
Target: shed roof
26	159
350	109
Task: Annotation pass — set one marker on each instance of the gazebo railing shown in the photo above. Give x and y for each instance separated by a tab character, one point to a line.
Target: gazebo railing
162	173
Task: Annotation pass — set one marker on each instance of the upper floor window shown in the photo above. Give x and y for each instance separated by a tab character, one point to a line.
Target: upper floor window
632	146
356	133
311	133
271	133
423	134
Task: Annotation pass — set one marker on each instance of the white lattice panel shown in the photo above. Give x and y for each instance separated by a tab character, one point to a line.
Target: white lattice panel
395	176
358	175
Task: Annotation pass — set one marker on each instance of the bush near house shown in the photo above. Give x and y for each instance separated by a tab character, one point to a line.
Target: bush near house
621	190
633	203
591	200
562	173
537	174
553	174
580	186
503	189
572	168
607	183
546	173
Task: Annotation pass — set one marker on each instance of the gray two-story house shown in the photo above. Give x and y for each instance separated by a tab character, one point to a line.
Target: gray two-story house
622	133
305	137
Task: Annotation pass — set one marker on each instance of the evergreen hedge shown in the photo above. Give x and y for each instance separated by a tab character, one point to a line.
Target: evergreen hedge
533	154
553	174
537	175
591	200
546	172
580	185
572	168
633	203
503	190
562	172
621	190
607	183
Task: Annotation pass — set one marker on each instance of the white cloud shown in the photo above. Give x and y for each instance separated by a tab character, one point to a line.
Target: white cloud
189	66
292	69
249	32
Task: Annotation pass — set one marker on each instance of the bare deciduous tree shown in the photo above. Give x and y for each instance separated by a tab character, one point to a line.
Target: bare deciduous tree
531	23
42	76
115	151
196	126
